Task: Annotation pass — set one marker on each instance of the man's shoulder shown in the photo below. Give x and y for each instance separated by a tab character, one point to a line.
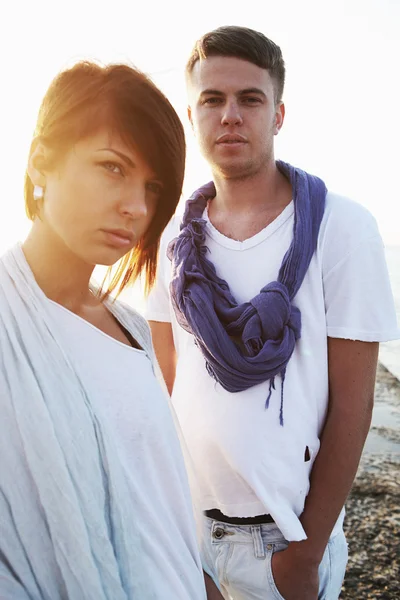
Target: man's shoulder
345	217
347	229
172	229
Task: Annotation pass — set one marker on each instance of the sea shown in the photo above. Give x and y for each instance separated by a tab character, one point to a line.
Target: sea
389	354
383	439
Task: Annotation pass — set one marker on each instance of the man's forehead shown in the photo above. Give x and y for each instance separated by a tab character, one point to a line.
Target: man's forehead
227	74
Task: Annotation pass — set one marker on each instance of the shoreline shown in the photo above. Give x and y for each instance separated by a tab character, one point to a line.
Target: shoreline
372	523
389	353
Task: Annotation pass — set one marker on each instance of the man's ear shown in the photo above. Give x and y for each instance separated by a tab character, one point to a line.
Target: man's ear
279	117
38	159
189	114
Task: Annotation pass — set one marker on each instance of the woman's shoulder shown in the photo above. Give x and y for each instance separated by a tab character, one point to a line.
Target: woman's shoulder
134	322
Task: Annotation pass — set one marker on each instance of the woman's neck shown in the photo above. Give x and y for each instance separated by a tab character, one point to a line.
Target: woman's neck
60	273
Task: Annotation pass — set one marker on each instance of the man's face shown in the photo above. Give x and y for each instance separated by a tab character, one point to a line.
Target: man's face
234	115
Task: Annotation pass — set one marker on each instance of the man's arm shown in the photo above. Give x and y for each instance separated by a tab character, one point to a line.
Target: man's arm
164	347
213	592
352	371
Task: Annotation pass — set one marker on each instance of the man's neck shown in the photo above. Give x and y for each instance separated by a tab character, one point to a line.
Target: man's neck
261	192
243	207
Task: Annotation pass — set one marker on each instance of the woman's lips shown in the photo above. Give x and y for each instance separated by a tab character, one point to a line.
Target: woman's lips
119	237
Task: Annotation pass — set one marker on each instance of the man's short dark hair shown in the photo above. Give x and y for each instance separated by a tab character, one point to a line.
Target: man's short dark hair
244	43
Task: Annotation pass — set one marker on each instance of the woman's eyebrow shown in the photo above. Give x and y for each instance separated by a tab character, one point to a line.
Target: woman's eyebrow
121	155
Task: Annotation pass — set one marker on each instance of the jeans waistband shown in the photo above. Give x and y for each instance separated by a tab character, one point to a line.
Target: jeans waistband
217	515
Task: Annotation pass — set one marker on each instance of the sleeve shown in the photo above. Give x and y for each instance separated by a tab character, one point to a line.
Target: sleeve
9	586
157	306
359	302
157	303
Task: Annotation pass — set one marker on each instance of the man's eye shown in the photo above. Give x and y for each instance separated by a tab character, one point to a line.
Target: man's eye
212	100
112	167
251	100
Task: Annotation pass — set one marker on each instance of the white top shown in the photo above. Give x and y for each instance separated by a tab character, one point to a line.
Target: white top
246	462
123	388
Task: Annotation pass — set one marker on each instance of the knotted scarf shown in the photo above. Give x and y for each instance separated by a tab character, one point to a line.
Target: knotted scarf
244	344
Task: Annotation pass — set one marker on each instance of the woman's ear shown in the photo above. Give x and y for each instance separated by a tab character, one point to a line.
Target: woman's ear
38	158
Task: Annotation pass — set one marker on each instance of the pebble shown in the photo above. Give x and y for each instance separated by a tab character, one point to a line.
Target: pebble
372	523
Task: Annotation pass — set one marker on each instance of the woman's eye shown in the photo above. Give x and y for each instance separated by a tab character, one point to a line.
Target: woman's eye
154	187
112	167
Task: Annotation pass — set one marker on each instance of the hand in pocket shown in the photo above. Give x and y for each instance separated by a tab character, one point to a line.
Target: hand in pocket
295	578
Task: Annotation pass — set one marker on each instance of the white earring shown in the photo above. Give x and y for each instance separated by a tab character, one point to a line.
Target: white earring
38	192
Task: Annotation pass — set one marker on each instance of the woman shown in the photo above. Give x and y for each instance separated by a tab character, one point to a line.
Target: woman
94	501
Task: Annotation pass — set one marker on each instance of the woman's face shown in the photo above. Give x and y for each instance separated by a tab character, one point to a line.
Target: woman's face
100	200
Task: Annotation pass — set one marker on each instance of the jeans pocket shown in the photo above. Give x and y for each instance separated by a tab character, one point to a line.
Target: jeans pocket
333	568
270	550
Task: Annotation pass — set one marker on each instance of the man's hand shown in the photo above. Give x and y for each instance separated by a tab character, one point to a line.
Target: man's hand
213	592
295	577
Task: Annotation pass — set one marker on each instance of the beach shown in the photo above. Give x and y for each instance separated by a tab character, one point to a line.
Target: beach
372	523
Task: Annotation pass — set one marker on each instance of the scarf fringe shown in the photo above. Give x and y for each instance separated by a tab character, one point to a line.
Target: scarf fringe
271	387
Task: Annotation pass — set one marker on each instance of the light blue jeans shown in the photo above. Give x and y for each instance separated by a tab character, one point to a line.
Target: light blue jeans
238	557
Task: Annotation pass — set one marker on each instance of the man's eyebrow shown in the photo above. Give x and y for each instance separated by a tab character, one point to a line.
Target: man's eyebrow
252	90
122	156
210	92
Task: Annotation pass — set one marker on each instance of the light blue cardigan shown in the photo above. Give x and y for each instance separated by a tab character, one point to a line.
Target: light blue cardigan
67	524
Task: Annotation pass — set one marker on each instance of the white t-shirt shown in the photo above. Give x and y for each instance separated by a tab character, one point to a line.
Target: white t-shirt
246	462
124	390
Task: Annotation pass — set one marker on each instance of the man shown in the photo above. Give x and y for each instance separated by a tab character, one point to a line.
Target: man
273	388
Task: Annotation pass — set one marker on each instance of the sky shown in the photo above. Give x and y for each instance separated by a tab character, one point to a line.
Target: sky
342	94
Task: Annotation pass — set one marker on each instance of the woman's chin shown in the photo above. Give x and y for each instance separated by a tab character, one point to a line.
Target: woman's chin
105	258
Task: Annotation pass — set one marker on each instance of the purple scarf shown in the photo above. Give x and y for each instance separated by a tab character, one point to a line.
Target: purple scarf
244	344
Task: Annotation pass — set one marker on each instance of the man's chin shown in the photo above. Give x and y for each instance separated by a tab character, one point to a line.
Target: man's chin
234	169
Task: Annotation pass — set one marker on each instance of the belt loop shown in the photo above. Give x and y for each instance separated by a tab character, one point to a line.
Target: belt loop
259	550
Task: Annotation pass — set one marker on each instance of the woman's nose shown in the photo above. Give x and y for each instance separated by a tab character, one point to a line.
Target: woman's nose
134	203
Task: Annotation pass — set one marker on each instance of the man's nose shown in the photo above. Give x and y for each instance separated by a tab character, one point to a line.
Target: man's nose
232	114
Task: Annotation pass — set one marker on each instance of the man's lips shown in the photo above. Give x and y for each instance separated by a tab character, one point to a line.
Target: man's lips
231	138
